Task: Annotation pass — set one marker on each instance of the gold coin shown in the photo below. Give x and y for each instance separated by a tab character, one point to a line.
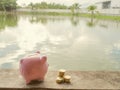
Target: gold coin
67	78
62	72
59	80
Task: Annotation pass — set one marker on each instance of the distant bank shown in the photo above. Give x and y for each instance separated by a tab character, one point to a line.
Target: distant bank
66	12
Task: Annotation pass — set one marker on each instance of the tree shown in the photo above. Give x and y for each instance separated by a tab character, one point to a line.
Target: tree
92	8
8	5
31	5
74	7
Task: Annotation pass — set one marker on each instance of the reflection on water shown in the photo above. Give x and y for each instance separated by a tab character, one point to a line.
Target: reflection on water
92	22
7	21
41	19
74	20
73	43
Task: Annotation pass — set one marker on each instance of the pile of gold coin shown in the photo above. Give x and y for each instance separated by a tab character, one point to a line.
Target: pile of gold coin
62	78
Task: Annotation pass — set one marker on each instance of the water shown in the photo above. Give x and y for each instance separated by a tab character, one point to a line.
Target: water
72	43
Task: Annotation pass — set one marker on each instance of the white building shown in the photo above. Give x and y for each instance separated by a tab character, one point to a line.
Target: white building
115	4
108	4
108	7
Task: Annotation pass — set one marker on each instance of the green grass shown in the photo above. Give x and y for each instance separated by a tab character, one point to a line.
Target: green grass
46	13
97	16
105	17
108	17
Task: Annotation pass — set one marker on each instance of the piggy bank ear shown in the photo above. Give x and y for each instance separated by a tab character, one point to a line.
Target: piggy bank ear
43	59
21	61
38	52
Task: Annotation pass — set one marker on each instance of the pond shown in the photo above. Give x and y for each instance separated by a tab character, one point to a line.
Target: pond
72	43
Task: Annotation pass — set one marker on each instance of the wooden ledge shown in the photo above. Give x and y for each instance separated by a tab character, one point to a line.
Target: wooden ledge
81	80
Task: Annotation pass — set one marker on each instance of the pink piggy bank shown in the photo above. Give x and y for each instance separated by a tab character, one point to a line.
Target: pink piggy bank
33	67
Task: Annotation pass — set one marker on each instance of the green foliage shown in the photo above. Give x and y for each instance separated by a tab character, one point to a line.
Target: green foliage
44	5
74	7
92	8
7	5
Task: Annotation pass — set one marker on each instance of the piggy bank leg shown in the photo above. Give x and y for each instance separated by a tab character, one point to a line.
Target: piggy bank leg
28	81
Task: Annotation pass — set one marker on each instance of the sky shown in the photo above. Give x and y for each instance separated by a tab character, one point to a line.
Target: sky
66	2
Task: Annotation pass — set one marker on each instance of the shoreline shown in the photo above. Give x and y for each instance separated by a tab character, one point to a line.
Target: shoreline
67	13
